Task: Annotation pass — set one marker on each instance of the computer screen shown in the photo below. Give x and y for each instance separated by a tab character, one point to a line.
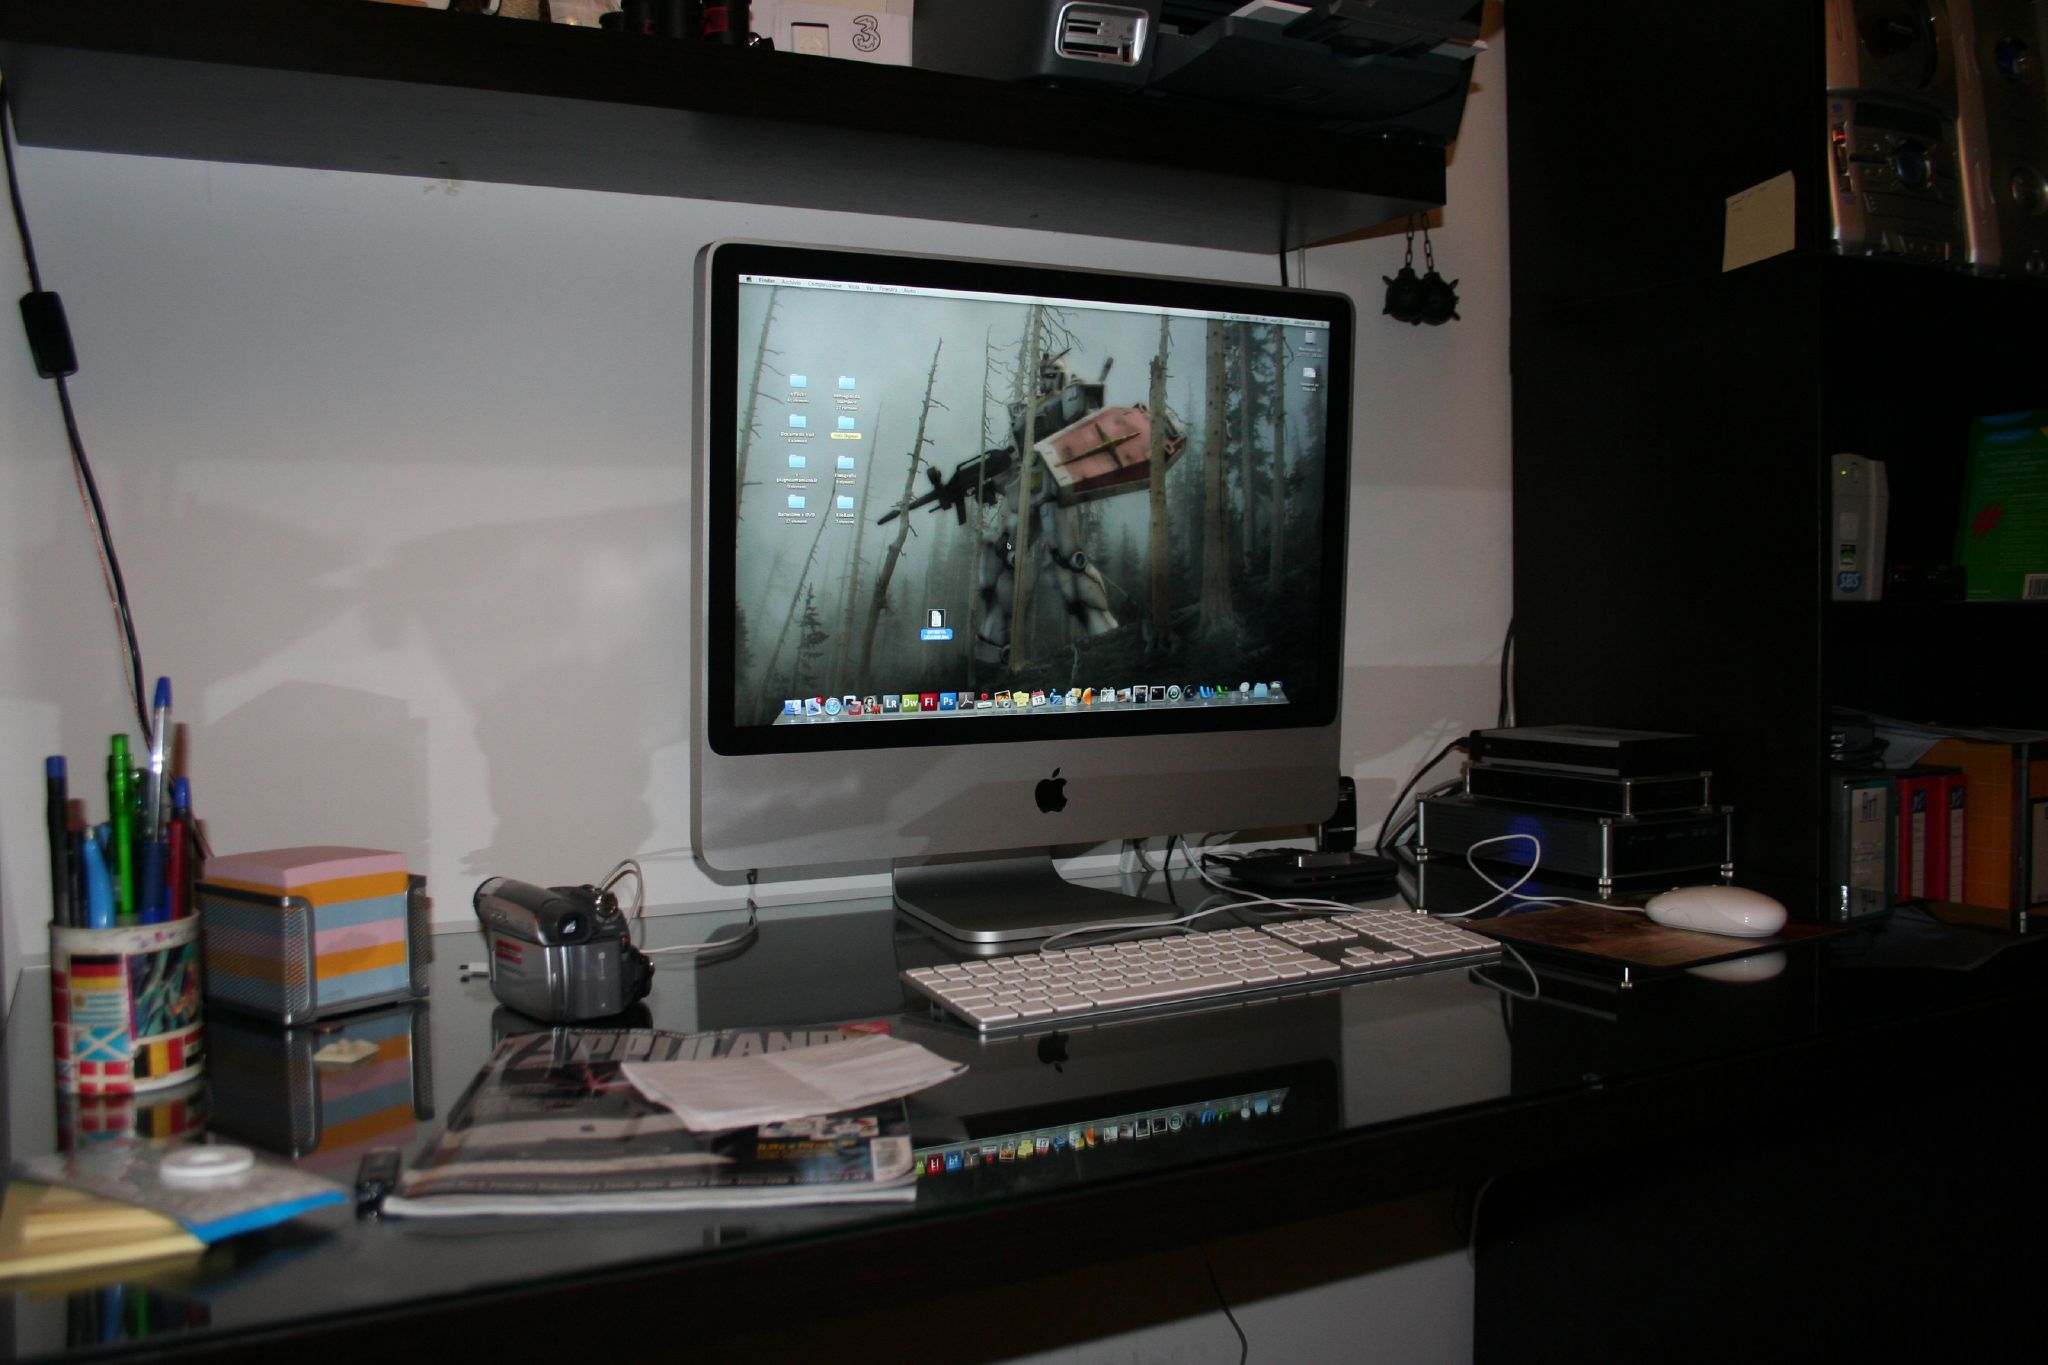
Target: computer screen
994	559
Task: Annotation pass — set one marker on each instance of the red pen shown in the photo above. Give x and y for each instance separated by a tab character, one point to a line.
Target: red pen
174	868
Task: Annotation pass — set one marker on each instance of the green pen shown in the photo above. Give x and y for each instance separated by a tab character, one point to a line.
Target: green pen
119	780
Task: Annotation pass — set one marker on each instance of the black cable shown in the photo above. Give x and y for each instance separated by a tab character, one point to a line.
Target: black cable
1379	845
117	584
1505	716
1244	1345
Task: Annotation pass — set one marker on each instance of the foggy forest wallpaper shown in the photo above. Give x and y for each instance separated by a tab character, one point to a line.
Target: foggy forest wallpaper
1081	496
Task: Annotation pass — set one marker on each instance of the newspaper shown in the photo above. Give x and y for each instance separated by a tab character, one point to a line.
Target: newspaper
552	1125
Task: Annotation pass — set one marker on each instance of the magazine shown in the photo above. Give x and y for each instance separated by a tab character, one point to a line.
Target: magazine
552	1125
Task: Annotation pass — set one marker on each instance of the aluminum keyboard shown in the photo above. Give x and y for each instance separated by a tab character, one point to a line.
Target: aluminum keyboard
1073	985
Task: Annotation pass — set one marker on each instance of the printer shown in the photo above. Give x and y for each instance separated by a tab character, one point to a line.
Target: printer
1367	66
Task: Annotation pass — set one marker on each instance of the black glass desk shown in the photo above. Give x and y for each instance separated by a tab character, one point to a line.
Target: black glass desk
1340	1101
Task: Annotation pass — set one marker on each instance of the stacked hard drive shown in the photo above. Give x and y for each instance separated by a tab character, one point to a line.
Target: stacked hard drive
1614	808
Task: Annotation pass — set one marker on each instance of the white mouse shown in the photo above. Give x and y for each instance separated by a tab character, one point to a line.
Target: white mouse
1731	910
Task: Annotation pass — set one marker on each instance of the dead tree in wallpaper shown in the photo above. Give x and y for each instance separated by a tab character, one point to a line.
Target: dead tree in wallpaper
1022	574
1216	615
803	583
1162	577
1276	521
761	354
810	642
850	605
895	550
1248	519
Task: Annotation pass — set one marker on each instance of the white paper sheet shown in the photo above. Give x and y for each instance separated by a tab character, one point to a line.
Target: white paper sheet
739	1092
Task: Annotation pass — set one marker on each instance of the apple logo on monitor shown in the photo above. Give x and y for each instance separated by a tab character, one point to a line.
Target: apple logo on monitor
1052	793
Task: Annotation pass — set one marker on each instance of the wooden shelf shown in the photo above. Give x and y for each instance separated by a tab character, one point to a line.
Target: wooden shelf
347	85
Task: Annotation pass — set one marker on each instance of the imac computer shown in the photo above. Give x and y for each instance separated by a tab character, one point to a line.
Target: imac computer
995	559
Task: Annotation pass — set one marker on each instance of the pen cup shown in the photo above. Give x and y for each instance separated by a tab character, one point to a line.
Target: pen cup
125	1007
172	1114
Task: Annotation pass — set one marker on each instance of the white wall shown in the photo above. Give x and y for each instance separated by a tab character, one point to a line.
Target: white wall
398	474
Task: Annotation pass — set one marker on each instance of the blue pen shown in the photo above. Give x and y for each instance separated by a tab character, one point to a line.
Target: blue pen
99	887
152	904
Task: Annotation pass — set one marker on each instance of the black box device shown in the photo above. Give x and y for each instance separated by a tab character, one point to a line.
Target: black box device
1593	749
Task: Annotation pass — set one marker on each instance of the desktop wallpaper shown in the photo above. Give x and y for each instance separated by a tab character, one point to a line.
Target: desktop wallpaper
958	504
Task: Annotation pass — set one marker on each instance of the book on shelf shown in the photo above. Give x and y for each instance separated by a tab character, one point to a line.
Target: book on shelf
2002	538
552	1125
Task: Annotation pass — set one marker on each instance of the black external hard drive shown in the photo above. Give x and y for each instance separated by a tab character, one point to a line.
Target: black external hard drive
1593	749
1608	849
1596	792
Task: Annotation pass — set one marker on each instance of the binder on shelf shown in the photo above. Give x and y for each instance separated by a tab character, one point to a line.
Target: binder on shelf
1923	832
1955	804
2005	831
1864	844
1915	806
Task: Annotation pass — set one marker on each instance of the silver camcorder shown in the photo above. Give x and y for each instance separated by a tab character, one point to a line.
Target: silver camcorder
560	953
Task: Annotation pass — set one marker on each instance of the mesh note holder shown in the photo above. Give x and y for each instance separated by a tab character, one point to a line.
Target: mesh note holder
301	934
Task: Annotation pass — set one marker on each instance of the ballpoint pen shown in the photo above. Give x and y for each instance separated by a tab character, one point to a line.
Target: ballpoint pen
178	840
151	905
159	760
175	862
121	855
153	900
57	815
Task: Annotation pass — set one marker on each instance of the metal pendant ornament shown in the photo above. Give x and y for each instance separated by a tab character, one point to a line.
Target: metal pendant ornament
1417	299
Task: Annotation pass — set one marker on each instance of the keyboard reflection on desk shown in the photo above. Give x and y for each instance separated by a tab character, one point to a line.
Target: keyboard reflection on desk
1074	985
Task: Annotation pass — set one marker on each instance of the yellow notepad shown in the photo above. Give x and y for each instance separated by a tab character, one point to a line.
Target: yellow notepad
44	1229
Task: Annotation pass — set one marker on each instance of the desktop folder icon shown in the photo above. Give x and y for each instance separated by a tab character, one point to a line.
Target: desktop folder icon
797	419
845	503
799	381
796	501
845	462
797	462
846	382
846	424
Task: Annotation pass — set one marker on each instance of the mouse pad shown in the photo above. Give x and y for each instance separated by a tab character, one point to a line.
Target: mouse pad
1629	938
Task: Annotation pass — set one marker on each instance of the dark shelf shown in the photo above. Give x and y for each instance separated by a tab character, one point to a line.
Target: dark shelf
1941	663
346	85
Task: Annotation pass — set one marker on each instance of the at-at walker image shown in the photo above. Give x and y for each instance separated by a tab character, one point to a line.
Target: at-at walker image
1079	451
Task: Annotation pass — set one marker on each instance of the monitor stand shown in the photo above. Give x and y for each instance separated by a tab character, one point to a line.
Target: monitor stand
1010	897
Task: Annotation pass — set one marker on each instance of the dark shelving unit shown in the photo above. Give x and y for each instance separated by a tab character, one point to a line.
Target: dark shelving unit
1674	422
348	85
